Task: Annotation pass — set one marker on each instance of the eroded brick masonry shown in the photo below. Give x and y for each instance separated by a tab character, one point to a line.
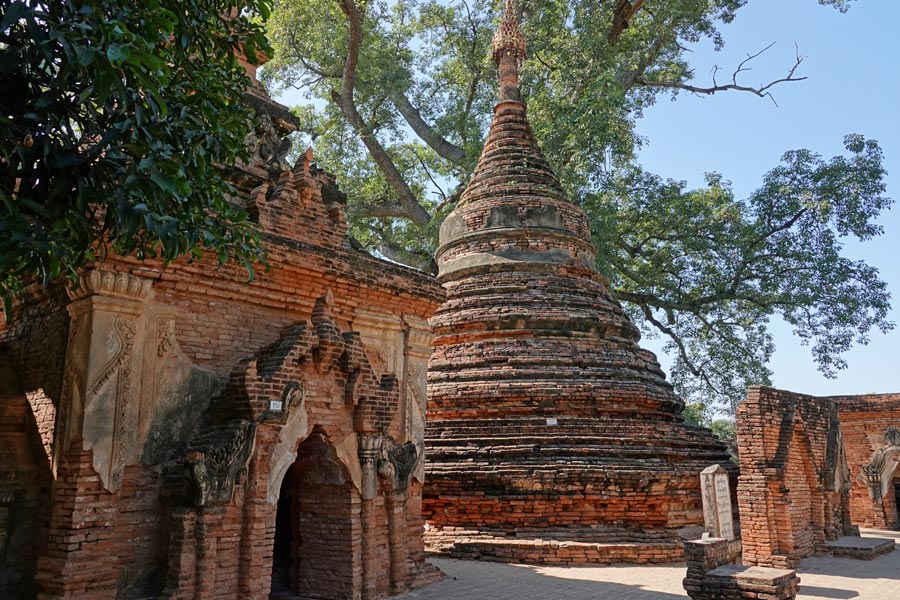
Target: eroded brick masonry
552	436
871	428
176	432
794	484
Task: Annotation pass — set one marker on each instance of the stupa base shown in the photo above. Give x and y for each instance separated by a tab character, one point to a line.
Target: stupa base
555	547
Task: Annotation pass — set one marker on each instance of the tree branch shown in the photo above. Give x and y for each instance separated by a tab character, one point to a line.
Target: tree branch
682	351
444	149
401	255
763	91
622	15
344	99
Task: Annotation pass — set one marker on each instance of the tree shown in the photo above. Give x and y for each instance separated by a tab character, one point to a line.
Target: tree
118	121
402	97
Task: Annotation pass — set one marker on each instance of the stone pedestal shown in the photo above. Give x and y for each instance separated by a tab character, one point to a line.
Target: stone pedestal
710	577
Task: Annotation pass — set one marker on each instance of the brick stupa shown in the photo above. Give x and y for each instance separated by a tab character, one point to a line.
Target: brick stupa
552	436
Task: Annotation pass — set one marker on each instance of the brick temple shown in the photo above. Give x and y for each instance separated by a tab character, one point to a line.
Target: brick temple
173	431
547	422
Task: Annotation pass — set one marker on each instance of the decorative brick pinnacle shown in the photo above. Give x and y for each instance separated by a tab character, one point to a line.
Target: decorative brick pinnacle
508	39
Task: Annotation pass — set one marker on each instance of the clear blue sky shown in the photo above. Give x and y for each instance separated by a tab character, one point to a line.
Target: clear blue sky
852	62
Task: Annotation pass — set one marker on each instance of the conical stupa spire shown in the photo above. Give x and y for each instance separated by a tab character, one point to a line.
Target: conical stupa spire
508	49
540	399
511	156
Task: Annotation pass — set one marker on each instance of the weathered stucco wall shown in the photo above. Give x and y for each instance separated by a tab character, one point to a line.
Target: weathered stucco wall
866	422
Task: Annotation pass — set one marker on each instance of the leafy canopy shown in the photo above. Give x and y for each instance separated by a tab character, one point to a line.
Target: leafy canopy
400	97
117	120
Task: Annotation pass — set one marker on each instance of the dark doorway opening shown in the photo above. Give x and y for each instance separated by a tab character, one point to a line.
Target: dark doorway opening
284	540
897	501
315	525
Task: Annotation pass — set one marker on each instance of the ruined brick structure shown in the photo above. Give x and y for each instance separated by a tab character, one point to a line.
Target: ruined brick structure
871	427
552	436
794	484
176	432
711	576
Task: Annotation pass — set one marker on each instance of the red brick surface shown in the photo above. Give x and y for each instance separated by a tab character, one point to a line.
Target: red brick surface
790	495
546	419
864	418
145	539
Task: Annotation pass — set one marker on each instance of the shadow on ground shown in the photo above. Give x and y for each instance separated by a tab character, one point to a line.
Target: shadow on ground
496	581
821	578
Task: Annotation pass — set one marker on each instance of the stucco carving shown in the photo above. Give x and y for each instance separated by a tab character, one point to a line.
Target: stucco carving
266	145
101	397
212	474
113	284
879	472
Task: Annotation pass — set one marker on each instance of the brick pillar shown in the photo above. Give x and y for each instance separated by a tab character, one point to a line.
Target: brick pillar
397	538
369	449
257	540
94	437
207	552
80	559
182	556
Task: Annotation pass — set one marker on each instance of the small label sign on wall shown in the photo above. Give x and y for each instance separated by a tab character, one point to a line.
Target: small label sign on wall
276	405
551	421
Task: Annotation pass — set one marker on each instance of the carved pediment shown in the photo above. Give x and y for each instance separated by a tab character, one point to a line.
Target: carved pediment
216	462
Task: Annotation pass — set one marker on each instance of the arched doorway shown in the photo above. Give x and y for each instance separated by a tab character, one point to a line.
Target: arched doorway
316	524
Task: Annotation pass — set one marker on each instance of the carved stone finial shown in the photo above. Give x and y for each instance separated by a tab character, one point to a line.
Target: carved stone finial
508	39
508	48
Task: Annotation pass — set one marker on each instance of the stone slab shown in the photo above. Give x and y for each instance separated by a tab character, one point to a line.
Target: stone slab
865	548
752	574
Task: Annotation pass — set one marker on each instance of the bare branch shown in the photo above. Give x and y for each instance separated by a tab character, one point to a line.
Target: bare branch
428	173
444	149
676	339
452	198
387	208
763	91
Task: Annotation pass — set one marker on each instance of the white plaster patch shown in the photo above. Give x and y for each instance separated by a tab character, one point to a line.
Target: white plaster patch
284	454
348	453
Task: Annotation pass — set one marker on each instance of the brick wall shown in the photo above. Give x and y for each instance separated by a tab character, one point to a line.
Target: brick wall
162	544
24	484
864	421
39	315
793	486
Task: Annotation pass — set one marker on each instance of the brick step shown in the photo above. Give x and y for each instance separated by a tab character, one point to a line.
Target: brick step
559	443
540	424
548	551
565	467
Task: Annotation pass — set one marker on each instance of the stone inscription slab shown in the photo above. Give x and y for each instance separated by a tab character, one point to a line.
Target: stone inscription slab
716	493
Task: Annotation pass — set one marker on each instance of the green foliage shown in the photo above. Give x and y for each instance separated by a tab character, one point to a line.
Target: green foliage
694	414
117	120
700	267
709	270
725	430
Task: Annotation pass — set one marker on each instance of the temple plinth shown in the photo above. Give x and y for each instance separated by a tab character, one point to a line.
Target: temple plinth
546	421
